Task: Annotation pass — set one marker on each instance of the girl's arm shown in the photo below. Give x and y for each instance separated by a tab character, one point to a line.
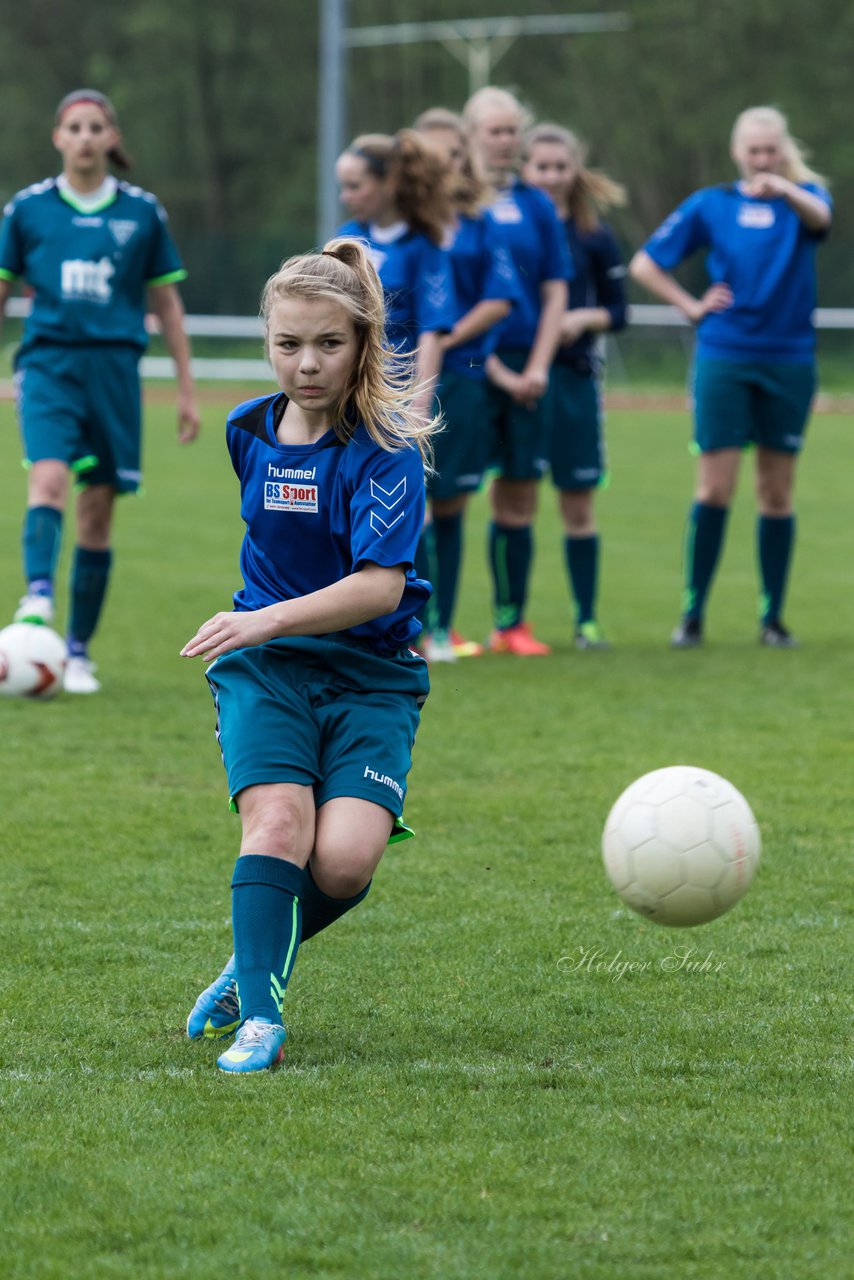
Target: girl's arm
5	290
428	362
665	286
167	306
483	316
554	295
813	212
370	593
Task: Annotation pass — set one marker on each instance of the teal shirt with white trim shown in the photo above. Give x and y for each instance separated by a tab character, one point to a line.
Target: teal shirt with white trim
88	267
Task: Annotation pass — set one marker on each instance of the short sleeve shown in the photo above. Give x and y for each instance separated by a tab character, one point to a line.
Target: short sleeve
163	263
435	302
681	234
387	508
11	244
500	278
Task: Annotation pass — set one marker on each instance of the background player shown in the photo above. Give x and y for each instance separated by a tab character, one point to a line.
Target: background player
317	689
554	162
518	370
89	246
485	287
755	370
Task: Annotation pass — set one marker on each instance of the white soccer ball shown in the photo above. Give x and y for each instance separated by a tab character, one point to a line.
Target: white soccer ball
32	661
681	845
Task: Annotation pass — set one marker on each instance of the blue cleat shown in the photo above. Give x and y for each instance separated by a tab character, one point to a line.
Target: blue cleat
217	1011
257	1047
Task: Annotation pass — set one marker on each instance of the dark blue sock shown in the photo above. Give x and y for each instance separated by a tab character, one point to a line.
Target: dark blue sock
425	567
582	562
90	573
511	552
704	539
40	540
266	915
448	535
319	910
775	537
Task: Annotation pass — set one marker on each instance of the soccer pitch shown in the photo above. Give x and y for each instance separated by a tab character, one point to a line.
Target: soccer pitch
475	1085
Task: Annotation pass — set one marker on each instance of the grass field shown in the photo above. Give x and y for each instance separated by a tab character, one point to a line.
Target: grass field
468	1093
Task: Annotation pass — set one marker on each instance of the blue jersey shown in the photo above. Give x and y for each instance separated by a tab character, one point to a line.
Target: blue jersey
416	278
598	282
316	513
89	270
765	253
537	245
483	270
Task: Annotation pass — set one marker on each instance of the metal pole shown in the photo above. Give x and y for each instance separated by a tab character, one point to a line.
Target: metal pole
330	111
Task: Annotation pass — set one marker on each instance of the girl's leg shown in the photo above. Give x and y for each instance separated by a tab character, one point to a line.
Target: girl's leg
47	494
581	549
775	481
511	553
716	479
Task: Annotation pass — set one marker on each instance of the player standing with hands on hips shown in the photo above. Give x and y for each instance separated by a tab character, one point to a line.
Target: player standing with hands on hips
755	370
317	689
90	247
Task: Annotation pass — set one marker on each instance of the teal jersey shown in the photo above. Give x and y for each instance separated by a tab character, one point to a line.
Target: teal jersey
88	269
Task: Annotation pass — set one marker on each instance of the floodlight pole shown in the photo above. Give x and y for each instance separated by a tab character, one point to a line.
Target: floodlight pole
478	43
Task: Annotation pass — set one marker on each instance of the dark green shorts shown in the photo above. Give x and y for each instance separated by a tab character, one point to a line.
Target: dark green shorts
518	436
325	712
737	403
462	448
576	449
82	406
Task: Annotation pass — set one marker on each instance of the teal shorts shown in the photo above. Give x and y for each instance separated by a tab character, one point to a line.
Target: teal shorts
576	448
518	436
324	712
738	403
462	447
82	406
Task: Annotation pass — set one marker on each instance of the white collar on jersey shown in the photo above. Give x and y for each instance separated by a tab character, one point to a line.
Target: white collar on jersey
386	235
86	201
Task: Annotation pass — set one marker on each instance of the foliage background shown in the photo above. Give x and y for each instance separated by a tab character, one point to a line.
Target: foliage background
218	101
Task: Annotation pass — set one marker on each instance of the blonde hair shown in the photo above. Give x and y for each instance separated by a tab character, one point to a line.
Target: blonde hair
468	189
795	166
591	190
382	387
418	176
491	98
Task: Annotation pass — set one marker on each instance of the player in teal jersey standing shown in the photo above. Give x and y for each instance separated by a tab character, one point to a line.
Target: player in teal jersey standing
91	248
554	162
317	688
518	368
754	371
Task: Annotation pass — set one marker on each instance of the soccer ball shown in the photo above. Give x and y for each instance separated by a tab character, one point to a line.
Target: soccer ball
32	660
681	845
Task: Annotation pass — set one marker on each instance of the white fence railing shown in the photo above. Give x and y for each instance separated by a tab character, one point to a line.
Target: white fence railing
225	369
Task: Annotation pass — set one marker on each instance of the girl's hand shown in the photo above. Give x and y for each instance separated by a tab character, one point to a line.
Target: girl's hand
718	297
189	421
765	186
226	631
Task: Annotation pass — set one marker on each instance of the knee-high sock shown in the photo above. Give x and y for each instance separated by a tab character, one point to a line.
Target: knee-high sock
704	538
41	536
775	536
425	567
448	535
511	553
266	914
582	562
90	573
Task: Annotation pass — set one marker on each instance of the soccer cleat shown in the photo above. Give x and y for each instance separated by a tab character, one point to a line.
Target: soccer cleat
518	640
687	635
775	636
589	635
438	647
35	608
80	676
465	648
217	1011
257	1047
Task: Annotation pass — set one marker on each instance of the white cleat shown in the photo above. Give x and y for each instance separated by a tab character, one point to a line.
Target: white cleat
37	609
80	676
439	647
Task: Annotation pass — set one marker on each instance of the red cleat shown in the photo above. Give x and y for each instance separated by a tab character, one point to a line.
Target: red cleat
518	640
465	648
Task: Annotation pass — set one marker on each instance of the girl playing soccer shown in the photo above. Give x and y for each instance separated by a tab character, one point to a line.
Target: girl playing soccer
518	369
754	371
554	162
317	689
91	248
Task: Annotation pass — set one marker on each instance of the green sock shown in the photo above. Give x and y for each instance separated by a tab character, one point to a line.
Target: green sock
266	915
511	552
425	567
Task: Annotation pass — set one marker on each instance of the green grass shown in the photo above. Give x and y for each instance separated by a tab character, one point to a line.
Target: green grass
466	1094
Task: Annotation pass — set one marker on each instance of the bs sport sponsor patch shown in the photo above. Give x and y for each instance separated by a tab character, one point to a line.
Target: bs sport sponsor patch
285	496
758	216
